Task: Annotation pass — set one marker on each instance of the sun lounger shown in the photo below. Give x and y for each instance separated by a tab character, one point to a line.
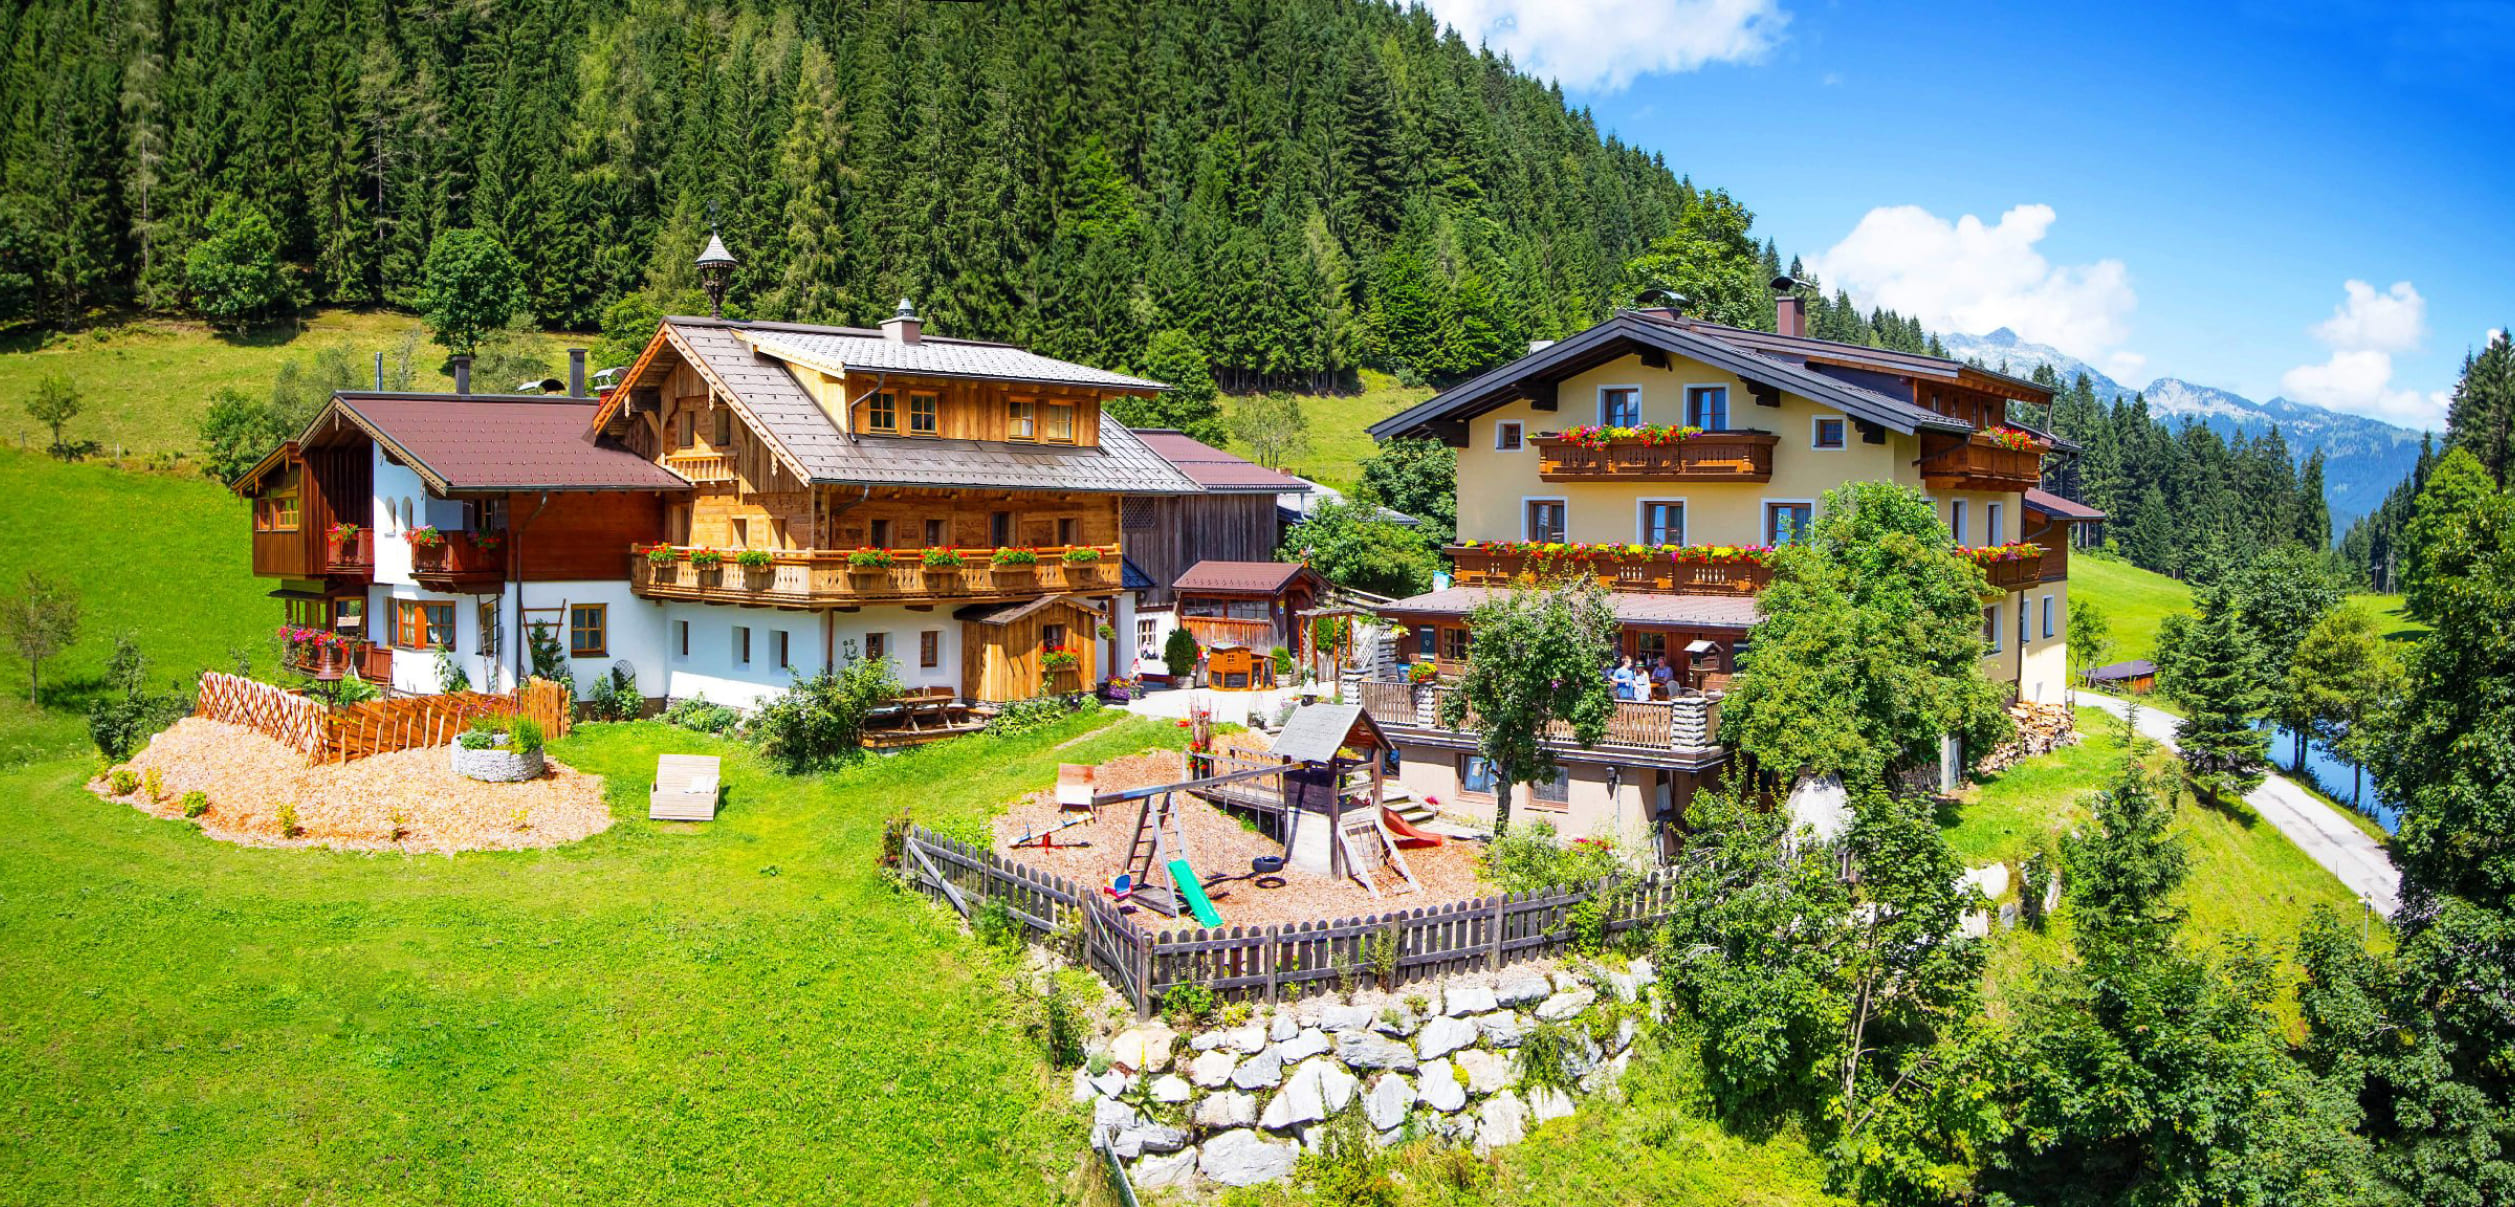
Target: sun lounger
685	788
1074	785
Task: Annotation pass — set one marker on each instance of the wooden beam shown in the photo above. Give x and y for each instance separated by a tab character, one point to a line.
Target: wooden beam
1764	393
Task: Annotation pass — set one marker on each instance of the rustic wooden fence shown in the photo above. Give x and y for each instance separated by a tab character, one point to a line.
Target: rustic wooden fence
1275	963
337	735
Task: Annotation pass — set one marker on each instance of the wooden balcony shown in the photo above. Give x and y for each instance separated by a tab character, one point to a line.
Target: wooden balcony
2015	574
1710	457
820	578
459	559
1691	723
1259	635
351	554
701	467
1652	572
1978	462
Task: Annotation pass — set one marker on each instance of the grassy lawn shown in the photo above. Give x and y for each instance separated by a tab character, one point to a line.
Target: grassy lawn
147	381
1338	443
739	1012
166	556
2246	878
2136	601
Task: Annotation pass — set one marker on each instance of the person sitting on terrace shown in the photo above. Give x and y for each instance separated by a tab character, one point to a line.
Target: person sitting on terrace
1663	677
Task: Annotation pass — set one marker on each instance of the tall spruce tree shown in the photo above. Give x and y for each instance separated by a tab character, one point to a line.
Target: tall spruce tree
2218	679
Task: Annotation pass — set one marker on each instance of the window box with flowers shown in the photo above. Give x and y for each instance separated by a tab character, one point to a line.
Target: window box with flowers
1058	659
758	567
870	560
1013	567
2013	439
662	555
1082	555
1651	435
425	536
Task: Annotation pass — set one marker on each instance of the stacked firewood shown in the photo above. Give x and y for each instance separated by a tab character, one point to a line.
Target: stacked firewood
2041	729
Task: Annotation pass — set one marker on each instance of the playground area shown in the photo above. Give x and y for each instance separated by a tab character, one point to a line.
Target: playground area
1224	846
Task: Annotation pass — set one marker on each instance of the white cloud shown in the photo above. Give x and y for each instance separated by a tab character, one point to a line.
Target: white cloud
2363	333
1970	277
1603	44
2126	367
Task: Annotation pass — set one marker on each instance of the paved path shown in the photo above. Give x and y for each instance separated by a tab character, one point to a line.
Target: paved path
2317	829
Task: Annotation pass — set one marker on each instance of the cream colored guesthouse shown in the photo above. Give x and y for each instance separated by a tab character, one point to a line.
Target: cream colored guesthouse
1785	418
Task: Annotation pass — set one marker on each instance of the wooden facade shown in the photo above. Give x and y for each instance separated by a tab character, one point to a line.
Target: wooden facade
1001	654
1165	534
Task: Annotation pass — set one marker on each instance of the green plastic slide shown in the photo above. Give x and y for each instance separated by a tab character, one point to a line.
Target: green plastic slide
1192	891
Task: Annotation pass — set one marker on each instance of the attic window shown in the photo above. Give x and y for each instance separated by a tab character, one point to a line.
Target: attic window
882	413
724	428
922	410
1060	423
1021	420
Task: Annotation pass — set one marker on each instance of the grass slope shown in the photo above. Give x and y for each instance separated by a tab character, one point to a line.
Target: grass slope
2136	601
744	1011
147	381
166	556
1338	443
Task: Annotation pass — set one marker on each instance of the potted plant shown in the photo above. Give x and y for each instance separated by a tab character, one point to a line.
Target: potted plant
1058	659
1082	555
425	536
499	750
1013	564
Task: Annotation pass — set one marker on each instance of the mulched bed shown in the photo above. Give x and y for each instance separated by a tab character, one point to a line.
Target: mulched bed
351	805
1219	843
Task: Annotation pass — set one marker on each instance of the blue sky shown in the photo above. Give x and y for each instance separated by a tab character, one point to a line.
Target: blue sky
2161	190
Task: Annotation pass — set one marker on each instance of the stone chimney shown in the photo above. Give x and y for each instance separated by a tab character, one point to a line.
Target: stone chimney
462	375
904	327
576	372
1790	311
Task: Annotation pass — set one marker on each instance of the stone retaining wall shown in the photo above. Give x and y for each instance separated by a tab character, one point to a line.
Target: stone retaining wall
1236	1105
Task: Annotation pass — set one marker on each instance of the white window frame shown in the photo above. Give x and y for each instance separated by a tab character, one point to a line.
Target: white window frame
1685	404
1956	520
1816	424
1641	519
1519	436
1558	500
1991	518
1601	410
2048	631
1764	518
1991	628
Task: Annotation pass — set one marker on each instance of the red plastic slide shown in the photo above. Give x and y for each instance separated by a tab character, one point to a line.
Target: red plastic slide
1407	834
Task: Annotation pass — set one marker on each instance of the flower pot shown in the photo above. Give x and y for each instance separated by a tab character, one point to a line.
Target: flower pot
497	764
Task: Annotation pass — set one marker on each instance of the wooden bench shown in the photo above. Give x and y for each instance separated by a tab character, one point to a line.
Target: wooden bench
686	788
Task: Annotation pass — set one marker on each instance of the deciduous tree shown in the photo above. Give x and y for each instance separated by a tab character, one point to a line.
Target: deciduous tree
473	286
234	273
54	404
39	621
1352	545
1540	655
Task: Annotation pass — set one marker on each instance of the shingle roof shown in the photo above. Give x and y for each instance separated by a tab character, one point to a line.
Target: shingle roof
490	442
847	349
2054	505
1214	469
1315	732
1631	607
2133	669
1242	578
1489	388
1886	359
777	405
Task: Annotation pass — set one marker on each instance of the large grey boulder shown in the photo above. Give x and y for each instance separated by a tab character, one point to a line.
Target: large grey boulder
1521	988
1244	1158
1547	1102
1263	1071
1502	1120
1316	1090
1503	1028
1467	997
1487	1072
1206	1041
1173	1171
1170	1087
1395	1020
1247	1040
1212	1069
1385	1106
1344	1018
1111	1084
1437	1087
1143	1049
1282	1027
1566	1004
1229	1108
1111	1114
1365	1050
1445	1035
1148	1138
1304	1044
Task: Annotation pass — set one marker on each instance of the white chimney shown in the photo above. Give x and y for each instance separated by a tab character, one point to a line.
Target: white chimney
904	327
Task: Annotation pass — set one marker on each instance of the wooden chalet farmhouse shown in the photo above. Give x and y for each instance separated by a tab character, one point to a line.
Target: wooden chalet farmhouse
752	501
1664	455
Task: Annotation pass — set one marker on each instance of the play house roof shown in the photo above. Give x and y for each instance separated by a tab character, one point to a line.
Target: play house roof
1315	732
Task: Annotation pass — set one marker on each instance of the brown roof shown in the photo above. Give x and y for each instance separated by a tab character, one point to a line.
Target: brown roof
2054	505
1240	578
1214	469
1631	607
493	442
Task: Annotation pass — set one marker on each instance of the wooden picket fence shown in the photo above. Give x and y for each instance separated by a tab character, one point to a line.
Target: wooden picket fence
284	717
337	735
1276	963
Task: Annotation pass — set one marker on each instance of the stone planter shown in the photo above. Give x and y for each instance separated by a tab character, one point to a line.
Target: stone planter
497	764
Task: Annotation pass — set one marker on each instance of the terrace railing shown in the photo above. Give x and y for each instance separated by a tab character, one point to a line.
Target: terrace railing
1978	462
1710	457
1688	723
825	576
1650	572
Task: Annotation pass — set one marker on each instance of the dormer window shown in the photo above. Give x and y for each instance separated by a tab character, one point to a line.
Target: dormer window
924	410
1021	420
724	427
277	510
1060	423
881	413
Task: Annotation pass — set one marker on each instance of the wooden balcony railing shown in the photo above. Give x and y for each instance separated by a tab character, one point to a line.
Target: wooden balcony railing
1259	635
1690	723
1710	457
701	467
815	577
1978	462
1652	571
2016	573
460	556
349	553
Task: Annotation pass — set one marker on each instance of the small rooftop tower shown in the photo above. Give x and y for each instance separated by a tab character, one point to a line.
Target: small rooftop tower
715	265
904	327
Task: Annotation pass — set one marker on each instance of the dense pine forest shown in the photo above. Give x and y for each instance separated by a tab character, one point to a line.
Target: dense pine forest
1304	186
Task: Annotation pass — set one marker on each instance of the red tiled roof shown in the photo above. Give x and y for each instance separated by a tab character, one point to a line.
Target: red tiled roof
2054	505
477	442
1214	469
1238	578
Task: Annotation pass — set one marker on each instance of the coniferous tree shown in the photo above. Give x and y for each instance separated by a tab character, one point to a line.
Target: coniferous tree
2481	417
2218	679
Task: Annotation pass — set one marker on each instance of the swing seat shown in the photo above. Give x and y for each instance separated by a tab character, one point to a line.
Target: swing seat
1120	888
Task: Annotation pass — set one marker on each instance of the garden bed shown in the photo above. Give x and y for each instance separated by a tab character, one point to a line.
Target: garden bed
1220	844
353	806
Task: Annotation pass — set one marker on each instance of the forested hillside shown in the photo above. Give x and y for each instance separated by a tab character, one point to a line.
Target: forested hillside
1304	186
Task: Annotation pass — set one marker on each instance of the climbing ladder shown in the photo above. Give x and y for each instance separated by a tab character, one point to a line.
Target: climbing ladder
1159	839
1372	855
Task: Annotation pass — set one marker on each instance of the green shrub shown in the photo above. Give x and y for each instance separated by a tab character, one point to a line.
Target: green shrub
196	803
1061	1027
127	715
1547	1055
155	782
994	924
550	659
819	722
694	712
1188	1004
286	816
451	677
1179	653
1346	1164
1527	859
124	780
615	698
1038	712
1283	662
525	736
